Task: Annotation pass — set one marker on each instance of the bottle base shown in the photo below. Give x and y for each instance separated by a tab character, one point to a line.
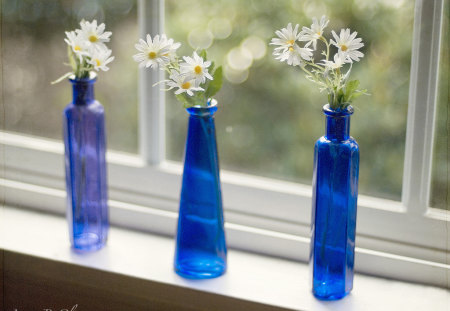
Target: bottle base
200	268
87	242
330	291
331	297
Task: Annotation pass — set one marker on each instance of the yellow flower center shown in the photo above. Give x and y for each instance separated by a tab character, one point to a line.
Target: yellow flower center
291	42
152	55
98	62
77	48
291	49
344	48
186	85
198	69
93	38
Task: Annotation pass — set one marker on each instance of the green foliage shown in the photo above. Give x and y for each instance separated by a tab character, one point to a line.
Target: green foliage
340	99
185	99
202	54
215	85
350	88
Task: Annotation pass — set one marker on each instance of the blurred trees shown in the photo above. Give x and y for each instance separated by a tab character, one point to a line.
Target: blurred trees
269	115
33	53
269	120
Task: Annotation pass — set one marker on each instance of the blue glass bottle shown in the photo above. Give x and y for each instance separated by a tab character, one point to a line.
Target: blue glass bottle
201	250
335	191
84	140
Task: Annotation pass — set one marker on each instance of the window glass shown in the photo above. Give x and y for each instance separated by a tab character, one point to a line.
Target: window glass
440	174
33	53
269	115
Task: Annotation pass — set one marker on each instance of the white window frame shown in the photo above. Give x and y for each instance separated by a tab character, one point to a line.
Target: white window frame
406	240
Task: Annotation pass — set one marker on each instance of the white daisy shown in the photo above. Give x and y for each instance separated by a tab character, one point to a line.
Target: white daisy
294	55
196	68
77	43
93	34
286	38
99	58
314	33
340	59
156	52
183	83
171	46
347	43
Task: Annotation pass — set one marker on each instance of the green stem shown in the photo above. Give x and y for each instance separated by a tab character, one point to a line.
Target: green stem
315	65
328	46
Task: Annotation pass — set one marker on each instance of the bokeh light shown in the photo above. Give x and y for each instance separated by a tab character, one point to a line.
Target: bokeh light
200	38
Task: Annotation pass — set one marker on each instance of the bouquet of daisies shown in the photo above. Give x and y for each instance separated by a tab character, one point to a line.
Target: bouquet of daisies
194	78
87	50
331	73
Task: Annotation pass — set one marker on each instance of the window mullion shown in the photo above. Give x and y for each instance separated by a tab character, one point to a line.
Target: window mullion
422	106
151	99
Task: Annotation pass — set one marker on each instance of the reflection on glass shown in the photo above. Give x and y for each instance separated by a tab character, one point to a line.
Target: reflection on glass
270	115
33	53
440	174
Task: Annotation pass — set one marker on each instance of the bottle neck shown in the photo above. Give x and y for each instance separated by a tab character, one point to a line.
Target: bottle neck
337	128
83	91
337	123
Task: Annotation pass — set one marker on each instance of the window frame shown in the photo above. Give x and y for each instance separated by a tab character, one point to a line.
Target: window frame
413	243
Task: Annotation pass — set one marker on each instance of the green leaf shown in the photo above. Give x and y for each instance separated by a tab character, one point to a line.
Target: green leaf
358	93
185	99
211	67
202	54
350	89
340	96
63	77
216	84
71	57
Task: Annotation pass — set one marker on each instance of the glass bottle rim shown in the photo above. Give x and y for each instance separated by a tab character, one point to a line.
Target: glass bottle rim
92	78
203	111
337	113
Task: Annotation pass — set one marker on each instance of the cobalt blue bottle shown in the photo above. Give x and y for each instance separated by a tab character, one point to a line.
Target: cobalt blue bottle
201	250
335	191
84	140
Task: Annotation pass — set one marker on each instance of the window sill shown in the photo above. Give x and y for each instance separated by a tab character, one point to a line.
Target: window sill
253	281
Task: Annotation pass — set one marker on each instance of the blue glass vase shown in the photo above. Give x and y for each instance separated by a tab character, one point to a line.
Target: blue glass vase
84	140
335	191
201	250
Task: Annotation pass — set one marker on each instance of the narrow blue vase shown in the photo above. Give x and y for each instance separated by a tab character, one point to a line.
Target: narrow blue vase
335	191
201	250
84	140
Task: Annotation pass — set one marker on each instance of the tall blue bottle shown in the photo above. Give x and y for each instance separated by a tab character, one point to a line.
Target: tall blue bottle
84	140
201	250
335	191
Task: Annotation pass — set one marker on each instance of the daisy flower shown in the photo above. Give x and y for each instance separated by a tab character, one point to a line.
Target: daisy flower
294	55
77	43
93	34
156	52
340	59
171	46
348	43
286	38
314	33
196	68
99	58
184	83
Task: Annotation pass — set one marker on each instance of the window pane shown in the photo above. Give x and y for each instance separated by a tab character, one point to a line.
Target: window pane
270	116
441	159
33	53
